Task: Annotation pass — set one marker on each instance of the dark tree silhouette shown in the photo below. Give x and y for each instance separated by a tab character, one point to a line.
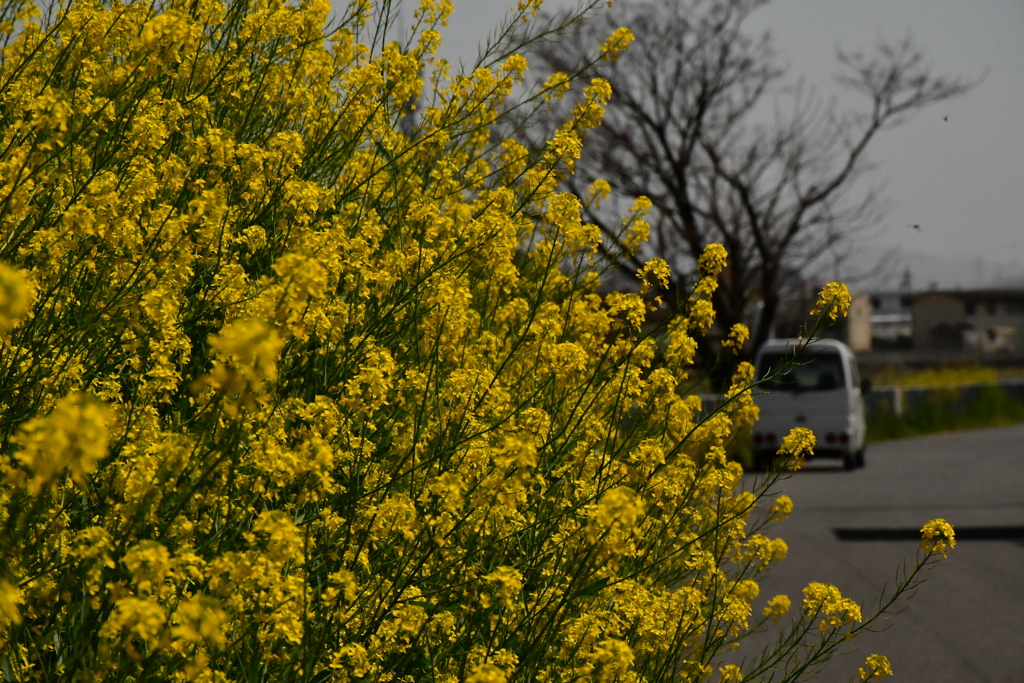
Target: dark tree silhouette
701	123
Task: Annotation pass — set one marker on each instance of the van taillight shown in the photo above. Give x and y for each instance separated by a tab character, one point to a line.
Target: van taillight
758	438
844	438
831	438
770	437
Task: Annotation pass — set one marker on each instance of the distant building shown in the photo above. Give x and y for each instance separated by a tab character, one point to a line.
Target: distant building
983	321
892	326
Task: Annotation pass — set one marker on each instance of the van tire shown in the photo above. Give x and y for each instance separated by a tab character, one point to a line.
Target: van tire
859	457
849	461
763	461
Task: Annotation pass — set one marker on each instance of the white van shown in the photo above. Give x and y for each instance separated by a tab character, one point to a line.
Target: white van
821	390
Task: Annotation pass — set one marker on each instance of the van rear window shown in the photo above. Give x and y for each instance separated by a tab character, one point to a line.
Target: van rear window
808	372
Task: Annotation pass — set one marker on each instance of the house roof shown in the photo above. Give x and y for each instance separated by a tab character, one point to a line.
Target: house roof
977	295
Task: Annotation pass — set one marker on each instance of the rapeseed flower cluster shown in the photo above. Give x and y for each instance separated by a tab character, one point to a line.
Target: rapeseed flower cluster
878	667
15	297
305	374
825	600
833	301
796	446
937	537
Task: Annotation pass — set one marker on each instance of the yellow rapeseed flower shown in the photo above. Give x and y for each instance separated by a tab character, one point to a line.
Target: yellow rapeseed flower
825	600
611	659
487	673
878	667
797	445
247	353
777	607
712	260
73	435
506	583
833	301
737	337
730	674
10	597
617	43
199	620
781	508
937	537
655	273
16	297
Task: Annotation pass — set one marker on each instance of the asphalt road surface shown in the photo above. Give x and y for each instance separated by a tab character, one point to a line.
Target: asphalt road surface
966	623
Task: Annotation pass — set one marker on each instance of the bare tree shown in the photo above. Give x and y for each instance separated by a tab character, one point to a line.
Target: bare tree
696	125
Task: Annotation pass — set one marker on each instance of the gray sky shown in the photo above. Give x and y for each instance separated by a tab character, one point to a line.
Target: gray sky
956	169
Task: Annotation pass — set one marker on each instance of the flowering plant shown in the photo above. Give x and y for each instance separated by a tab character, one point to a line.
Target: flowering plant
306	377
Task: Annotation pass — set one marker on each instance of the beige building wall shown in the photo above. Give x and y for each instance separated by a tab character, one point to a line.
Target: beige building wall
858	324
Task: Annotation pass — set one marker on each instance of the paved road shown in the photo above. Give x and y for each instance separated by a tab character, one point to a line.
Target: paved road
966	624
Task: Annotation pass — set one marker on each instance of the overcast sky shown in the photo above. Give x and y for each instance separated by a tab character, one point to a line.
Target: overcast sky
956	169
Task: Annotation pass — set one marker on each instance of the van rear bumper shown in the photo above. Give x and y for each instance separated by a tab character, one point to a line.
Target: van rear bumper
841	452
830	453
